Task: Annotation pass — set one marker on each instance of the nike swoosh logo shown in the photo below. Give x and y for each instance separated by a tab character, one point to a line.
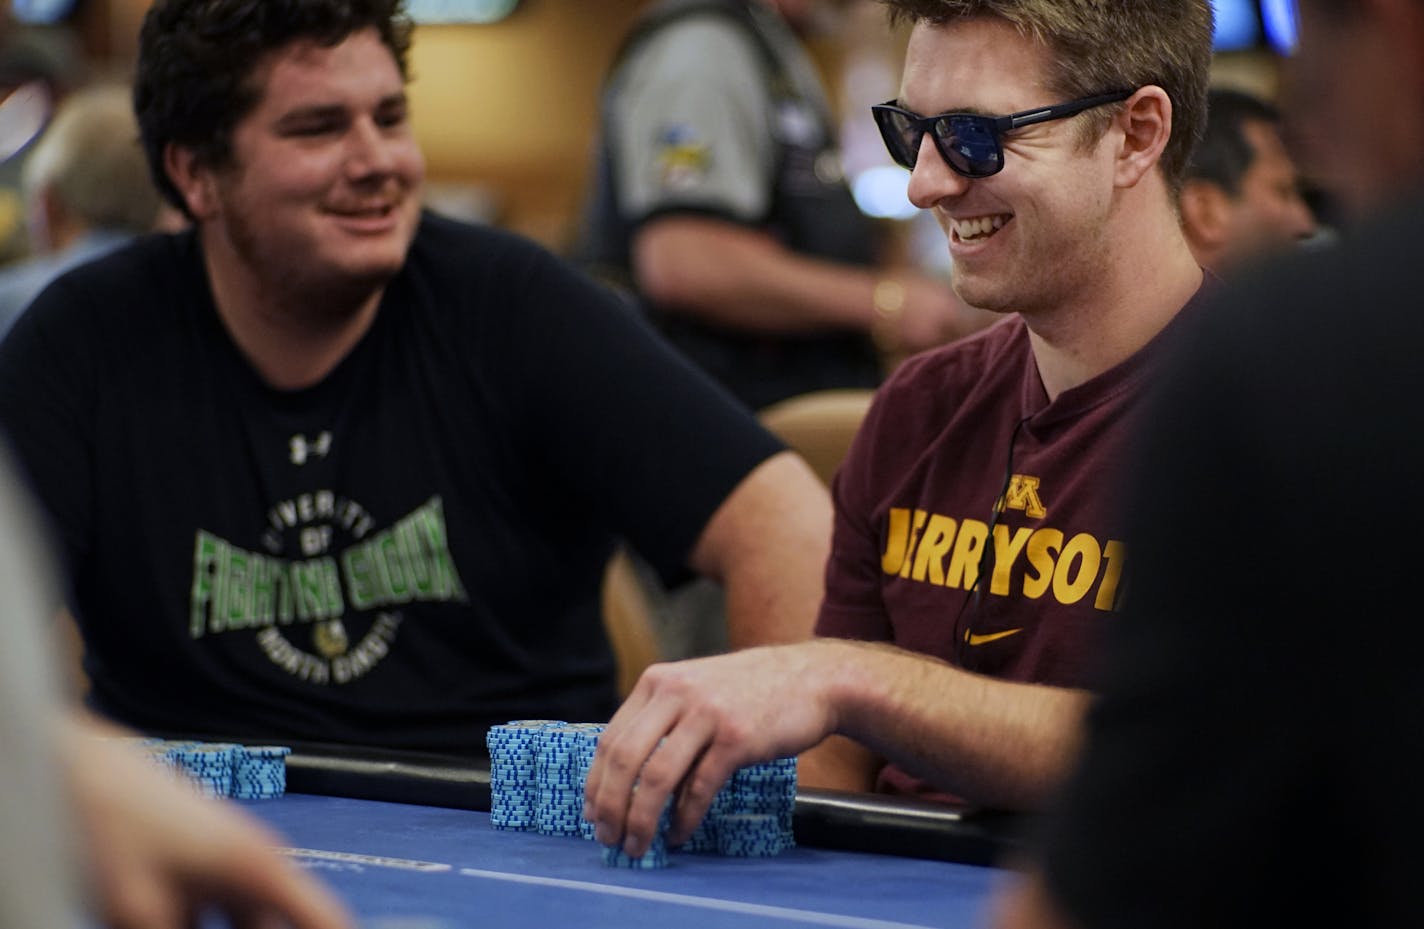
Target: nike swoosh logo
985	639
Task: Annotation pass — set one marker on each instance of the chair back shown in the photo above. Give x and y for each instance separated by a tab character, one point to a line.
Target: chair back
819	426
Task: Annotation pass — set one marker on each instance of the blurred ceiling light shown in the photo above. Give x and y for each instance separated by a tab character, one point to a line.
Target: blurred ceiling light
434	12
880	192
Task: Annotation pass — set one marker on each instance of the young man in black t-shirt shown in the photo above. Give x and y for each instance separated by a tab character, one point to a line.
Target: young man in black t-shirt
328	467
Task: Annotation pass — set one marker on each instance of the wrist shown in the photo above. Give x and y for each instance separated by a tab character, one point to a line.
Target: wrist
846	685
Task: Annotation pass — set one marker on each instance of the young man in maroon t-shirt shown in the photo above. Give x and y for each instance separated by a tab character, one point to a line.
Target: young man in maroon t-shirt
978	547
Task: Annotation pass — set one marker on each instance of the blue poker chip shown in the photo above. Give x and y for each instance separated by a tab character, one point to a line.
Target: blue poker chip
260	772
655	857
224	769
749	835
208	765
703	838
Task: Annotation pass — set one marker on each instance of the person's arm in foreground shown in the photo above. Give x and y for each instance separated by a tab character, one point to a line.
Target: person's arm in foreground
1026	904
159	853
687	726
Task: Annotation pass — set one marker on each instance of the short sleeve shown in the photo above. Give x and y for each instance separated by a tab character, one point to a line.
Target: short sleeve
691	122
853	607
650	443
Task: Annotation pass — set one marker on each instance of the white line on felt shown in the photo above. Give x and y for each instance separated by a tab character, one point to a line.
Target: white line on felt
706	903
379	861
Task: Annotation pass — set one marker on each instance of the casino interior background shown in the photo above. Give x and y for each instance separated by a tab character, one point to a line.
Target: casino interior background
506	110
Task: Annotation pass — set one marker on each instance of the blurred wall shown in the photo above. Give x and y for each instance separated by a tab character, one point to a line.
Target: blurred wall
506	112
514	105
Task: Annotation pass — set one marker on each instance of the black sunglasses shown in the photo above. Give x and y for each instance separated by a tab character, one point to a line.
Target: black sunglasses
969	143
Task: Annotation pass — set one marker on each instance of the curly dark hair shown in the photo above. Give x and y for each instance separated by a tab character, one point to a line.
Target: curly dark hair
1103	45
194	81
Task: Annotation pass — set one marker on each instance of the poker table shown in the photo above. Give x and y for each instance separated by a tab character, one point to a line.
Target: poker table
406	841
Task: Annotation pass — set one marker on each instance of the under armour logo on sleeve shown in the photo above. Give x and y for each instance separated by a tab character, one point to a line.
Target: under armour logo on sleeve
303	448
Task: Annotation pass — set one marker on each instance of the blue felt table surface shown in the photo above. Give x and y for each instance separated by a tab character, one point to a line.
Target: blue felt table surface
402	866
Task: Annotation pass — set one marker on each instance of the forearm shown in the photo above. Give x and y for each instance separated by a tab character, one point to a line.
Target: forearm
997	743
744	279
767	545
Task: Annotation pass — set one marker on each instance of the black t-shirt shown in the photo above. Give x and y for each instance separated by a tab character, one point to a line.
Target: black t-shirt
1256	755
397	556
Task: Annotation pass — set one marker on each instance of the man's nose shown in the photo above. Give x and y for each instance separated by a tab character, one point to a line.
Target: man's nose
932	179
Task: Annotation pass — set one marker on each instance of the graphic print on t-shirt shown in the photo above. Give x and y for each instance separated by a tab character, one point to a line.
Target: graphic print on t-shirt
936	549
324	599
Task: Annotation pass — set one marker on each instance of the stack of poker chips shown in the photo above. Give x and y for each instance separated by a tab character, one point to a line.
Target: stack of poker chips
224	769
537	773
751	816
538	768
655	857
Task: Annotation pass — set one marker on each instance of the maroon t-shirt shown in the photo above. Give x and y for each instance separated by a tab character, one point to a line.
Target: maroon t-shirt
951	433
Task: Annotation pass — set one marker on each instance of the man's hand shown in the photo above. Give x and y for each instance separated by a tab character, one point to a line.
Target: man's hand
159	853
688	726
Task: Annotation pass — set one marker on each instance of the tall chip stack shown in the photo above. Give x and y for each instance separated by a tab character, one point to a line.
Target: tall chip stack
513	750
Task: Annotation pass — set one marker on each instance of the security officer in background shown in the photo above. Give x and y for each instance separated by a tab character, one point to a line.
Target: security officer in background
720	204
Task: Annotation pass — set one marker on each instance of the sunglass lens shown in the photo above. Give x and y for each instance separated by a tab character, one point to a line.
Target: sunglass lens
900	135
969	144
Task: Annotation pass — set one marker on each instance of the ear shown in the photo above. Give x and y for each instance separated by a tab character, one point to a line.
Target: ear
1146	123
194	180
1206	215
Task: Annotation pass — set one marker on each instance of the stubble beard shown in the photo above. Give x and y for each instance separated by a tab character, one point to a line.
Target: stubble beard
305	291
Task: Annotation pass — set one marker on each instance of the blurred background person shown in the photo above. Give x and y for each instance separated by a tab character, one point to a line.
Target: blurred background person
1242	196
86	189
38	68
720	201
88	826
1254	756
720	206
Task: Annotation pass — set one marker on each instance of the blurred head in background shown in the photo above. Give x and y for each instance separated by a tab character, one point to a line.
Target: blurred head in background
1354	95
88	171
1242	194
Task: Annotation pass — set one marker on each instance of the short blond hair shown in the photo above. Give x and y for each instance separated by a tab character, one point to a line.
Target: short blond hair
1099	46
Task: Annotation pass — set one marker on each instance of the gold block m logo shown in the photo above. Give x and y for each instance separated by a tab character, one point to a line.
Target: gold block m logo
1022	494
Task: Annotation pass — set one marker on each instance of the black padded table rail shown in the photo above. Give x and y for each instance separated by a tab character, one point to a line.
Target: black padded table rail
823	818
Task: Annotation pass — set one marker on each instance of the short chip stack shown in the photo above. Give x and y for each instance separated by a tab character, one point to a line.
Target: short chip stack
538	769
655	857
225	769
751	816
260	772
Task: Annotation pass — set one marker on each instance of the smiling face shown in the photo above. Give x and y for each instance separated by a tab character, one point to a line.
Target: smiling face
322	193
1029	238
